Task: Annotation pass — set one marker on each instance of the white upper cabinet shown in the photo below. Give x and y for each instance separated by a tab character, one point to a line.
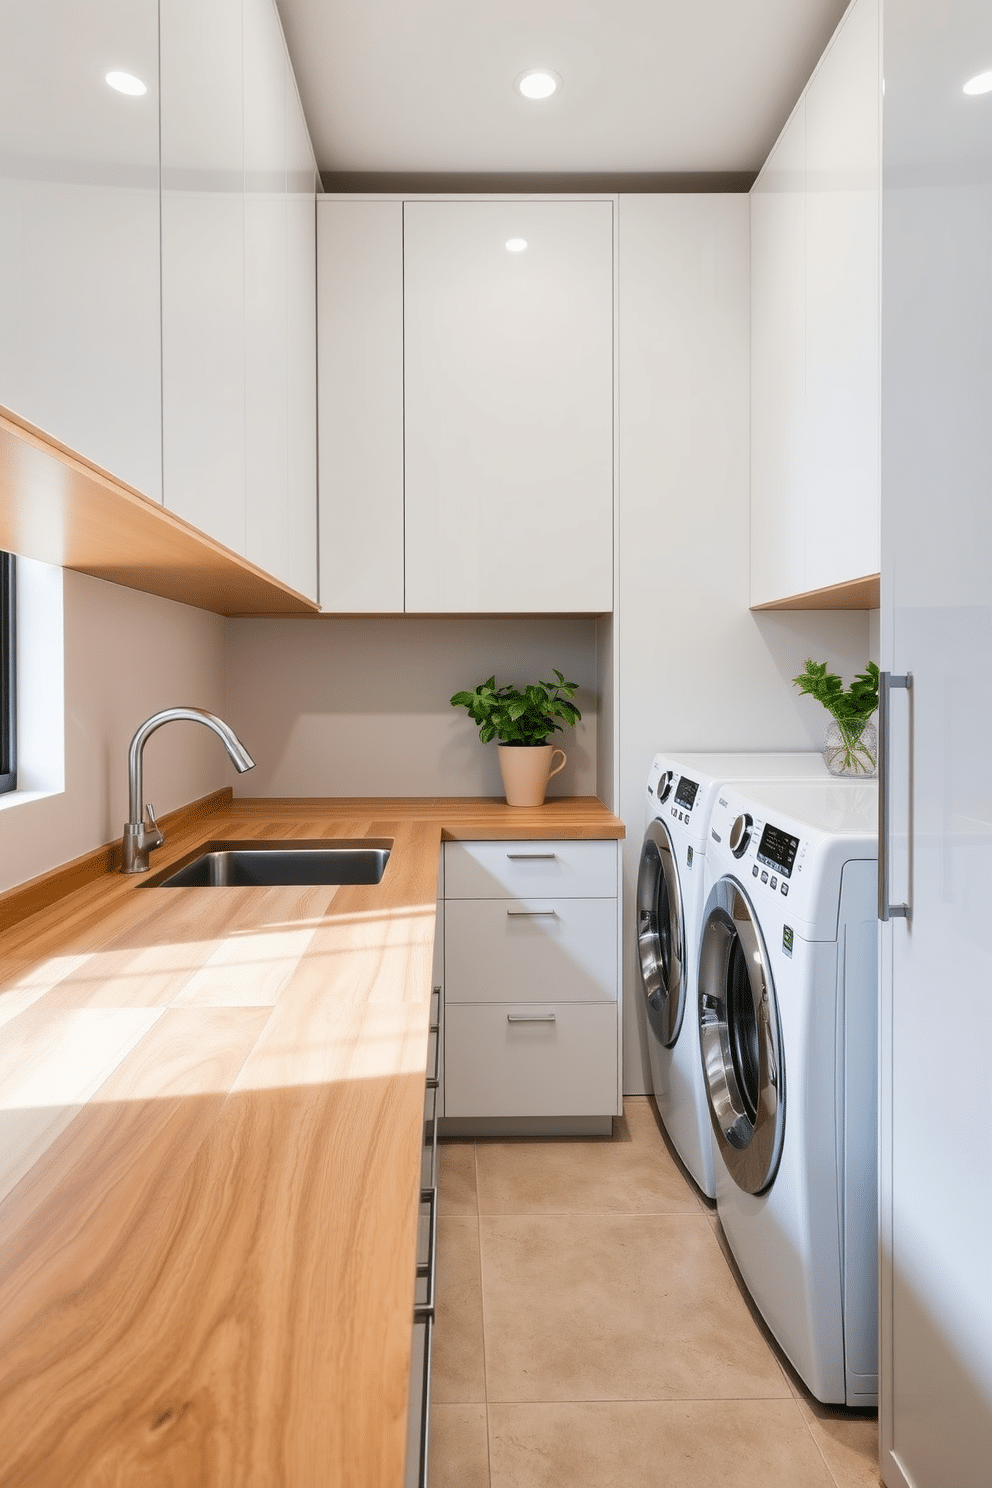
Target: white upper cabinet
79	230
815	339
508	383
360	339
203	266
301	340
266	290
778	368
843	158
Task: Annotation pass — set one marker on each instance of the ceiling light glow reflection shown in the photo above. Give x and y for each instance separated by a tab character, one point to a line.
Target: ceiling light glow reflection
537	83
516	245
126	82
980	84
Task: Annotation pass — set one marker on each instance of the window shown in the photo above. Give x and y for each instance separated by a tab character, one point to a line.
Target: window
8	733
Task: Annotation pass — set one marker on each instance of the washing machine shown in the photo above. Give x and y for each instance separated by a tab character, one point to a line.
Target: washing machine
787	1013
681	789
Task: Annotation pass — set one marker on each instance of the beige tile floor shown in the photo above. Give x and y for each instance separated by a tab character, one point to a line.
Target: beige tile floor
592	1332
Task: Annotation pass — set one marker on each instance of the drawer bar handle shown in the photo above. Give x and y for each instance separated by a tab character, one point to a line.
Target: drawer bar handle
532	914
530	1018
533	857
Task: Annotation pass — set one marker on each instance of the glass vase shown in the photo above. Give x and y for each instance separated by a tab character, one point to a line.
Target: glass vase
851	747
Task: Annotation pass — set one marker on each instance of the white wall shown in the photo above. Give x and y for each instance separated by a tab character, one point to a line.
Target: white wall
359	706
126	655
696	669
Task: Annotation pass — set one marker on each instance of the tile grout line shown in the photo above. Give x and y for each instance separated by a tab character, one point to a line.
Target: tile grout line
482	1306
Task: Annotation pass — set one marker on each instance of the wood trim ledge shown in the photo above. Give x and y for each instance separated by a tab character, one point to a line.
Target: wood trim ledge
26	899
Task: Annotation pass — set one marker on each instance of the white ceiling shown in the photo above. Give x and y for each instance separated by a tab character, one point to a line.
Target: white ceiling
650	86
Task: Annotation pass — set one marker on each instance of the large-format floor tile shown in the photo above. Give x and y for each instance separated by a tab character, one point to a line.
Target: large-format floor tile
670	1444
617	1307
456	1178
458	1367
459	1447
628	1173
848	1441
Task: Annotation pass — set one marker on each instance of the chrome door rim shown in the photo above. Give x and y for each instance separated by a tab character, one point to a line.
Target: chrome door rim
661	935
745	1086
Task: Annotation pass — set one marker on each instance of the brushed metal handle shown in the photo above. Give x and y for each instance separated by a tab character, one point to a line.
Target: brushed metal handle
427	1269
533	857
887	681
532	914
530	1018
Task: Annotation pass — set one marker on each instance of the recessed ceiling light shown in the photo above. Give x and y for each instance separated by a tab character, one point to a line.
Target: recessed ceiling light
516	245
126	82
980	84
537	83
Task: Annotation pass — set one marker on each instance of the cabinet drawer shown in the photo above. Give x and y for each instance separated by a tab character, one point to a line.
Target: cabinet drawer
521	870
565	1065
526	950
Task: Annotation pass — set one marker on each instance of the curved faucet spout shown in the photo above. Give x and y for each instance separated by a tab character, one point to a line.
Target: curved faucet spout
139	840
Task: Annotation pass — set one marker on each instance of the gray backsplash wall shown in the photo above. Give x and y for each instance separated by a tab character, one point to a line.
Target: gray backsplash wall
358	706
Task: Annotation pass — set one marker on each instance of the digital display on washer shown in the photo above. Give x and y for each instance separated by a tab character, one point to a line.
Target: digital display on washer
686	793
778	850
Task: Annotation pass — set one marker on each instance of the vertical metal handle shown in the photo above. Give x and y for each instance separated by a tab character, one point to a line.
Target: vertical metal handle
886	682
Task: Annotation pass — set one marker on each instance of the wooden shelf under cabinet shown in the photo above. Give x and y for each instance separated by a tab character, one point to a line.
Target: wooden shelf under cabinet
854	594
58	508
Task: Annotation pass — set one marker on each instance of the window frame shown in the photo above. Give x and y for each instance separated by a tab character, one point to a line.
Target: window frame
8	654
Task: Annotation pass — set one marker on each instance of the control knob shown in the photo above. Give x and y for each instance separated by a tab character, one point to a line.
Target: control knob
664	786
740	834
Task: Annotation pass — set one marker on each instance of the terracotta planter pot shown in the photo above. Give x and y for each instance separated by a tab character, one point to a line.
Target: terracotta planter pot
526	770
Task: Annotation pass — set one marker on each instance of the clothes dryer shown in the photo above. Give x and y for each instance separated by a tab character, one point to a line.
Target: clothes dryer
787	1009
681	789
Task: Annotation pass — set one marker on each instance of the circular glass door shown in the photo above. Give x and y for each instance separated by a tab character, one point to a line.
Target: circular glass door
660	936
740	1039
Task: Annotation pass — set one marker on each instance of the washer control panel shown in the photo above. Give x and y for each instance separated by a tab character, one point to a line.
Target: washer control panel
684	799
773	855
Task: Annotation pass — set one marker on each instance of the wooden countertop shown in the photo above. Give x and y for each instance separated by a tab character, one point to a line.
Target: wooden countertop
210	1122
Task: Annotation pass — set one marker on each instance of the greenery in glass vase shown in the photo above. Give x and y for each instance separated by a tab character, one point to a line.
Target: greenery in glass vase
516	716
851	707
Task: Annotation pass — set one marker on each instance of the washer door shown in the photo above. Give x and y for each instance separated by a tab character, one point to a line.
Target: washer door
660	934
741	1040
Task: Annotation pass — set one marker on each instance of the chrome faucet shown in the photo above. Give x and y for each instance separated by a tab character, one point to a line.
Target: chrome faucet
139	839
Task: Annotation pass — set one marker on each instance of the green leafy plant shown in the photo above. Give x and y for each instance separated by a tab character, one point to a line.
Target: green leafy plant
851	707
516	716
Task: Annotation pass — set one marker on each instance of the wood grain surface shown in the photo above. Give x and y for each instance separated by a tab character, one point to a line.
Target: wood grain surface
210	1122
58	508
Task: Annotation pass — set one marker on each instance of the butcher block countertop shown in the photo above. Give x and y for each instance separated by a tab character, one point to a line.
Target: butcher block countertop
211	1111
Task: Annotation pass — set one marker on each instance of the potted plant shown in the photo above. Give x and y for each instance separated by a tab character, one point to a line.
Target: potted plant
522	720
851	743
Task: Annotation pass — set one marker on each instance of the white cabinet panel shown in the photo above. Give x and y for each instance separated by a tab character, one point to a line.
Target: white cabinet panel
360	339
266	290
301	336
842	305
509	406
79	231
814	329
778	369
559	869
498	1062
203	338
530	950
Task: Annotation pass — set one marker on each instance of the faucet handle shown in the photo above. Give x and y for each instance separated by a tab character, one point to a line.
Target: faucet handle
150	812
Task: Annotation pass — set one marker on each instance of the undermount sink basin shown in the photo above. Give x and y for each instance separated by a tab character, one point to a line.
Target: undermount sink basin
229	865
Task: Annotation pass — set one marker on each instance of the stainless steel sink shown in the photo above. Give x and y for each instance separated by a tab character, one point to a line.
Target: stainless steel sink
225	865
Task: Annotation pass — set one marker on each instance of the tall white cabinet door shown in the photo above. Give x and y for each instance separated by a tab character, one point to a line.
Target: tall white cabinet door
936	1197
843	126
203	279
301	336
79	230
778	368
360	350
266	289
509	406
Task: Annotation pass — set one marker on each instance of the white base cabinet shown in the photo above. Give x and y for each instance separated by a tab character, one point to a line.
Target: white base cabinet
531	999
